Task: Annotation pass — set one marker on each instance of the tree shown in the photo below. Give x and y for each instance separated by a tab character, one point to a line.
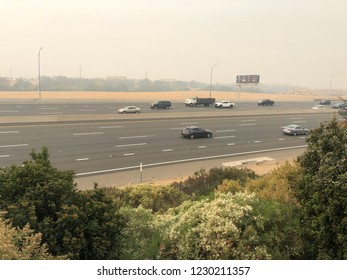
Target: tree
79	225
323	192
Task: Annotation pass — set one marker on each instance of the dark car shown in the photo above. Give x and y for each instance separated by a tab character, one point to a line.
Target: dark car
294	129
325	102
265	102
161	105
196	132
339	105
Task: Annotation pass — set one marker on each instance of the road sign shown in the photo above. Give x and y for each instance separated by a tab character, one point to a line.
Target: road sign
247	79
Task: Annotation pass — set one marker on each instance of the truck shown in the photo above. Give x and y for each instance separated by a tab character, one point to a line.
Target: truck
197	101
224	104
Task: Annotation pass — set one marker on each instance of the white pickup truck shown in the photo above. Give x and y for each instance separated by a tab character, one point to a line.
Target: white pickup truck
224	104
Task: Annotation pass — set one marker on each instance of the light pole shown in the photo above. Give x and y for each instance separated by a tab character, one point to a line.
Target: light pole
331	80
39	72
211	77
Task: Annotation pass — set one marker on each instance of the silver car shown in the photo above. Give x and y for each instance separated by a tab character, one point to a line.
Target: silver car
294	129
129	110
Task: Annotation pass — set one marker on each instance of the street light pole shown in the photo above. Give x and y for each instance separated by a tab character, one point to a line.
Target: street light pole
39	72
211	78
331	80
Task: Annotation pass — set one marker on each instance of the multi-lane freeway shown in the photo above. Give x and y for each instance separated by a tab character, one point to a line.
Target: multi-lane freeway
97	147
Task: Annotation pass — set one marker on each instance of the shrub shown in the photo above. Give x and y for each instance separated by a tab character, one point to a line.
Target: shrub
203	183
155	198
222	228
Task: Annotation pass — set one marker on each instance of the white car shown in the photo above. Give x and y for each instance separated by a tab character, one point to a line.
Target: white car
129	109
224	104
318	107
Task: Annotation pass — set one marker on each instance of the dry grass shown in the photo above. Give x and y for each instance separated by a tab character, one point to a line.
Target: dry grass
153	96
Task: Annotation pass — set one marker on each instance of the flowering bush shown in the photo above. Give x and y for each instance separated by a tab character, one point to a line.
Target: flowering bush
21	244
222	228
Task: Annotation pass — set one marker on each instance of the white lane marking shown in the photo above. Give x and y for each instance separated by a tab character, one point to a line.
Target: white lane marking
226	130
87	133
8	132
167	150
47	108
222	137
51	113
4	156
130	154
106	127
17	145
140	136
189	160
202	147
257	141
82	159
231	144
130	145
246	124
281	139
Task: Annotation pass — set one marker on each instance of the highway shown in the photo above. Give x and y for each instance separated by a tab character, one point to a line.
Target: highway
100	147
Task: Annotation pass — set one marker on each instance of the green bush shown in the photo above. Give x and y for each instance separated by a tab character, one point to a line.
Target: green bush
203	183
155	198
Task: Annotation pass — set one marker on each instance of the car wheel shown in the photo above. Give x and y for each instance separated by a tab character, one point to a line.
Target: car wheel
192	136
209	135
231	106
124	112
294	133
137	112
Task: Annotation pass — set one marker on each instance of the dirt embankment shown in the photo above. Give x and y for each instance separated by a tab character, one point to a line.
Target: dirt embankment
153	96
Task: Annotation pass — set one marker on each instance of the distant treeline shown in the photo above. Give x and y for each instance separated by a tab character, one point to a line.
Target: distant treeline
62	83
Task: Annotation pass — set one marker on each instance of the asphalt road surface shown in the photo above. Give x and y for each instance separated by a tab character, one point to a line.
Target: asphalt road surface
92	148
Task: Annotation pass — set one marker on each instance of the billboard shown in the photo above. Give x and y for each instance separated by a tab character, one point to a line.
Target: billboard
247	79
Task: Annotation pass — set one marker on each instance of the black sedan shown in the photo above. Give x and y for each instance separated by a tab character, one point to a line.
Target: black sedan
294	129
196	132
265	102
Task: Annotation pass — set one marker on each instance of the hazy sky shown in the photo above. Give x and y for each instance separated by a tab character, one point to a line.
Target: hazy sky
298	42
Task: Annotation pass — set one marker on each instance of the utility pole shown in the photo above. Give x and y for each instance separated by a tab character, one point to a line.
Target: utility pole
211	78
39	62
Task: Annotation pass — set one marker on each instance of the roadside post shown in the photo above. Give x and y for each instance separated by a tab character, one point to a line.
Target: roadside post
140	172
